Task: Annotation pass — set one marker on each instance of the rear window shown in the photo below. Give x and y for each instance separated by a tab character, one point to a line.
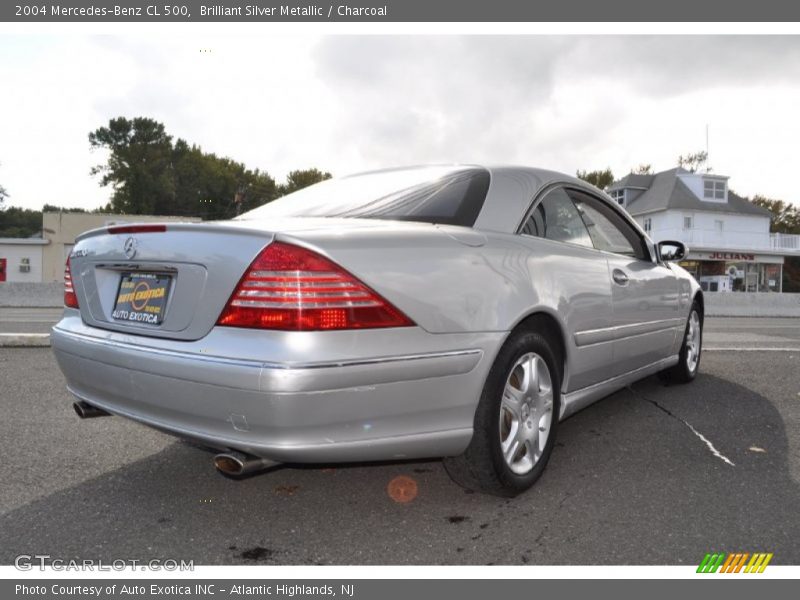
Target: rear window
429	195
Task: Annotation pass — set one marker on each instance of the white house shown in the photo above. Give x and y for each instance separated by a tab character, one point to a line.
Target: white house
730	245
21	259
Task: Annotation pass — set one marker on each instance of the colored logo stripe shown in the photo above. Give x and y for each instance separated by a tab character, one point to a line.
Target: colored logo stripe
734	562
711	563
758	563
727	566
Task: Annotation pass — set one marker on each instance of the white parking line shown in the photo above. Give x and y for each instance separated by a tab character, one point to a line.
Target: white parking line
752	349
758	327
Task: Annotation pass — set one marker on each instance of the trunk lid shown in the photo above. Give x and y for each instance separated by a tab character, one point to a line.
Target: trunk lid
196	265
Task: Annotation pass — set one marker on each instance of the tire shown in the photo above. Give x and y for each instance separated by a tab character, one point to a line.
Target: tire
691	349
516	419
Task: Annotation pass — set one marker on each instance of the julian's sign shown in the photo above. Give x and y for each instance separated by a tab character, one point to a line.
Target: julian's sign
731	256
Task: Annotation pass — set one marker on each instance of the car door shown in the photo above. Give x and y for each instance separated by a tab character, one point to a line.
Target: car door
646	306
570	274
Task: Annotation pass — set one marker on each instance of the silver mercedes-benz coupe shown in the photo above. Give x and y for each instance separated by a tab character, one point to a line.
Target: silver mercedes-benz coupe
441	311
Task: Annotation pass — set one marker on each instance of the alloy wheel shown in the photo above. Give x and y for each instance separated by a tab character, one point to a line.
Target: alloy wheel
526	413
693	342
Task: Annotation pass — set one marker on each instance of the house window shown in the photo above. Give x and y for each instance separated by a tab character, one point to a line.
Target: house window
648	225
687	222
618	196
714	188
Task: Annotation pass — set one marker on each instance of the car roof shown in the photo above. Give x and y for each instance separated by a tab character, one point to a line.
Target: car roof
534	173
511	190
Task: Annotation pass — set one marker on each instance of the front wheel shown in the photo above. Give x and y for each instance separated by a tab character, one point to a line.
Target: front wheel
515	422
689	357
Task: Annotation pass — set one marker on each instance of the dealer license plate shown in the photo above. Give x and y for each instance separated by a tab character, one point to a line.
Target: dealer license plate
142	298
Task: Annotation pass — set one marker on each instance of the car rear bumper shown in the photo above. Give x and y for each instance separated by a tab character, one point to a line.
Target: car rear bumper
367	404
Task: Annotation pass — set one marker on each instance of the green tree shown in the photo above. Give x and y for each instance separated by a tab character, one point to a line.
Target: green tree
20	222
297	180
258	189
599	179
216	188
139	166
54	208
785	216
24	222
150	174
693	162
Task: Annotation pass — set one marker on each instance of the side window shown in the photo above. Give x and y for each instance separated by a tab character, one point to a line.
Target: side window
609	232
556	218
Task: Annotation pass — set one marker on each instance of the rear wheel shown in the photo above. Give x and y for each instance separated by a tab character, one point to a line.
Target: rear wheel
516	420
689	357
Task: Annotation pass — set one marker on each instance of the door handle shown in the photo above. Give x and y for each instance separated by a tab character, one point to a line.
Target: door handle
619	277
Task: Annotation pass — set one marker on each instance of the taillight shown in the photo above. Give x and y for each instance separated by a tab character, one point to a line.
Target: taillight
70	299
291	288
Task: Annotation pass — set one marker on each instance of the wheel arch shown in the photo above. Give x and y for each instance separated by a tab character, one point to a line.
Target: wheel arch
541	320
701	303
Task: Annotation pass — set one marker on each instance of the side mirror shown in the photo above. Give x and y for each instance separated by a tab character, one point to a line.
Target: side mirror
671	251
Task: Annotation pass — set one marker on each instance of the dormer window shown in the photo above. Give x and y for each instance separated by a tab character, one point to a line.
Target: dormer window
618	196
714	189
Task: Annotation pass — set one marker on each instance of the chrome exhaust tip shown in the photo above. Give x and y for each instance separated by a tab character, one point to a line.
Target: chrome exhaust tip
86	411
239	464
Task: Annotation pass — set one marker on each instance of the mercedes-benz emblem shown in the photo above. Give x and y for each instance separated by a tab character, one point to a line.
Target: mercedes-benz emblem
130	247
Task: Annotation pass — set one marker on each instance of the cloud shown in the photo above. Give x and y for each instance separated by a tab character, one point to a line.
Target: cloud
671	65
442	97
348	103
565	102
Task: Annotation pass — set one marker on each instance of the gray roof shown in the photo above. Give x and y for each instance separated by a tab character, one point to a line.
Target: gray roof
634	180
666	190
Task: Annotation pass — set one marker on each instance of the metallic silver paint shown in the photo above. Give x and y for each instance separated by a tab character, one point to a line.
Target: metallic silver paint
607	334
580	399
365	394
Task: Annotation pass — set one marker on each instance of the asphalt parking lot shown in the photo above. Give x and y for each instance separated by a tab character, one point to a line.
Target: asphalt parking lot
28	320
650	475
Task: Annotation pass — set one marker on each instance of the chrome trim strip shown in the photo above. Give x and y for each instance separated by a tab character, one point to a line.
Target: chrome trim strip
311	303
618	332
387	359
256	364
137	266
572	402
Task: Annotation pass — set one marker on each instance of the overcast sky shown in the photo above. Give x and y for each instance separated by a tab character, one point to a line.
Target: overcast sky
349	103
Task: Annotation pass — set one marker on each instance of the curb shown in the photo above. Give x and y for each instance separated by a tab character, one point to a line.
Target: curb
24	340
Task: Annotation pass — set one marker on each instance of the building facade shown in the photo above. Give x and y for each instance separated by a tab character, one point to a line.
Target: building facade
61	228
730	244
21	259
42	259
